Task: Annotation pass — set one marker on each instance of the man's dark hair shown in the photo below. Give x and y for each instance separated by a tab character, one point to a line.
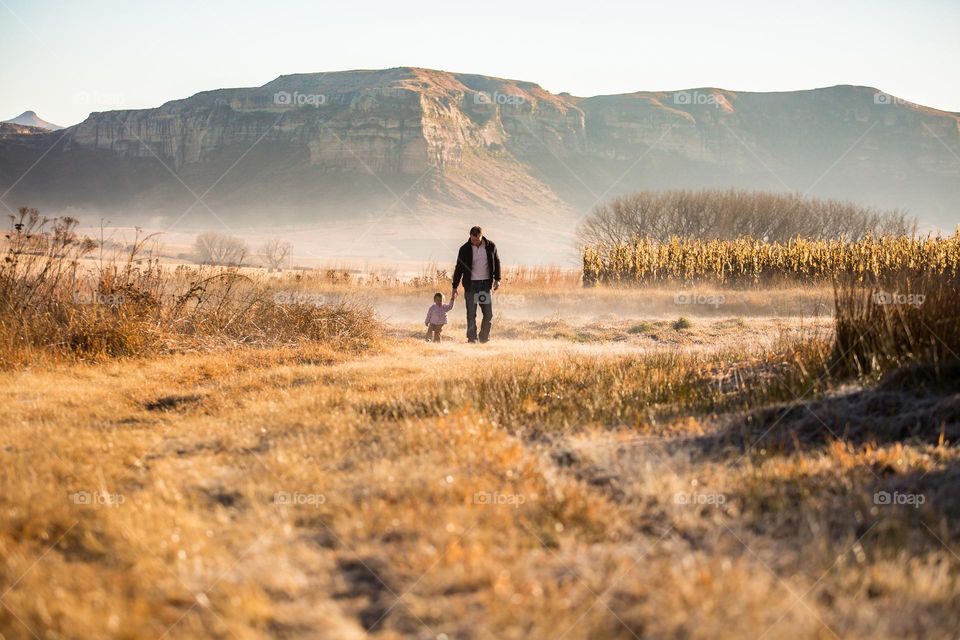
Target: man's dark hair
476	231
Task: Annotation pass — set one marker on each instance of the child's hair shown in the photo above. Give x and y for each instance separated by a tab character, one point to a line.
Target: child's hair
438	295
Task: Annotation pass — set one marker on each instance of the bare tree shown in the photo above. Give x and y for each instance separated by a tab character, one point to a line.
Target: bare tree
733	213
218	248
274	252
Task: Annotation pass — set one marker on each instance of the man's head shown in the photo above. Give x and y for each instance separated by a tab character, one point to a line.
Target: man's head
476	236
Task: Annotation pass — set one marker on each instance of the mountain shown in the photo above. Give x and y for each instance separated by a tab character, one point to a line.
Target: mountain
418	144
9	129
31	119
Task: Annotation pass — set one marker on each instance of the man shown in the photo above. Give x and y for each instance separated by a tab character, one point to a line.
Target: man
478	265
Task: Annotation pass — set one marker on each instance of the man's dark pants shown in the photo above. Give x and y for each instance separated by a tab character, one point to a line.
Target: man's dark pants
479	294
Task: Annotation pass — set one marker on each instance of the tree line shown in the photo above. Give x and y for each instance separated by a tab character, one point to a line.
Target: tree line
734	213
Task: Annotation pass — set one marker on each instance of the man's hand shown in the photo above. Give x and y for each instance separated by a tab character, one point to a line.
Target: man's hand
454	294
496	285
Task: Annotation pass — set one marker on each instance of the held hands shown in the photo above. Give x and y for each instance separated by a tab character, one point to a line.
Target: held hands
496	285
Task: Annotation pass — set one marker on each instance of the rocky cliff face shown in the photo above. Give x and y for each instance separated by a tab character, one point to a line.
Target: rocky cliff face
12	129
333	144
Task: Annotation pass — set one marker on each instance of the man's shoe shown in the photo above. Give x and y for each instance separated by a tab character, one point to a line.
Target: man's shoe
471	341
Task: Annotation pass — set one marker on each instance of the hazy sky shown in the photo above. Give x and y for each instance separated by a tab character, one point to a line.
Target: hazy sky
67	58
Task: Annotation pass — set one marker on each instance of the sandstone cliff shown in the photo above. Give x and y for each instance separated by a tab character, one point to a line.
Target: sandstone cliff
324	145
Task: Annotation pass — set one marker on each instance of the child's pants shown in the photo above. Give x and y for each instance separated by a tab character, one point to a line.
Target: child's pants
433	332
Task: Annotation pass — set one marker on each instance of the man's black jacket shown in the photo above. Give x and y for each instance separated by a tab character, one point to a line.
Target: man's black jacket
464	268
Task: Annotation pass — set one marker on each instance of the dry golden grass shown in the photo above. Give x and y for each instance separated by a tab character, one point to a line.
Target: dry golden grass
528	489
279	468
52	306
431	277
890	322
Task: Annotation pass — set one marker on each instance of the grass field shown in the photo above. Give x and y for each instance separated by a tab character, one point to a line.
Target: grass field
622	485
217	455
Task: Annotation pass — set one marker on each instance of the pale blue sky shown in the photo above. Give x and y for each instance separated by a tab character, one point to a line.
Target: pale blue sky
67	58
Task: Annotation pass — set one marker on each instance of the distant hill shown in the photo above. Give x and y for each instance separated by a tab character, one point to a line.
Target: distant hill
10	129
31	119
347	145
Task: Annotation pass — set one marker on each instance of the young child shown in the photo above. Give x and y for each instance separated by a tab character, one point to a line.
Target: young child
437	316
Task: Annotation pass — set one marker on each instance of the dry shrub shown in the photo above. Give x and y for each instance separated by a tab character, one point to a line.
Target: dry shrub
886	323
130	304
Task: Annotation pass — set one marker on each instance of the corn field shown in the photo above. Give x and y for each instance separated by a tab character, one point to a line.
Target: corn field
746	261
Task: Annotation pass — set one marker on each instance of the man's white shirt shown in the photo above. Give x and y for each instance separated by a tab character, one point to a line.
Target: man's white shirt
481	267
